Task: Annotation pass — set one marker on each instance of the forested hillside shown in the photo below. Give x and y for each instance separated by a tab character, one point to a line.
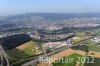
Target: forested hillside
14	40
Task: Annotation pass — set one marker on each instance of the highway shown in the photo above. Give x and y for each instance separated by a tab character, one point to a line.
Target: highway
3	55
35	60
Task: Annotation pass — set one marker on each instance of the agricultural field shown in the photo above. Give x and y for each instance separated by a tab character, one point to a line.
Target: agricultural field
25	50
90	43
95	48
83	62
80	33
72	63
77	39
97	32
96	62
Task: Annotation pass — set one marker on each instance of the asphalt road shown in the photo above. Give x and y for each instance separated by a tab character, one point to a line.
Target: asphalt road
3	57
35	61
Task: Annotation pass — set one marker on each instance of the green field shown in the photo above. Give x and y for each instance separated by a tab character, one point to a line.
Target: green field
78	40
90	42
97	32
94	48
69	63
17	54
82	63
80	33
96	62
27	52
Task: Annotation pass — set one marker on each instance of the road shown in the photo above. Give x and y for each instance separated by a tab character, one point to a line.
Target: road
35	61
3	54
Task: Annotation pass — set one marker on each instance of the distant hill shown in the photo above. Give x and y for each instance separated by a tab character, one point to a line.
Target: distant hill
47	21
14	40
50	16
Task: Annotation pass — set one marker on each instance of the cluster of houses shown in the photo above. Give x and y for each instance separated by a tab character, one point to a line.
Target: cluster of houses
56	44
96	39
8	34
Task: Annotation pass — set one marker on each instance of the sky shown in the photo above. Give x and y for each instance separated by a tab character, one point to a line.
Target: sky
9	7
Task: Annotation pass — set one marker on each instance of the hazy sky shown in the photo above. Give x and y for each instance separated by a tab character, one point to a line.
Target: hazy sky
8	7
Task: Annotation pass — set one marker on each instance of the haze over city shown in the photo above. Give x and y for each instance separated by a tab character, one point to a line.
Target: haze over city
10	7
49	32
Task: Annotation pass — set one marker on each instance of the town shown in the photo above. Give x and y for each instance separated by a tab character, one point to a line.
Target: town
23	44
